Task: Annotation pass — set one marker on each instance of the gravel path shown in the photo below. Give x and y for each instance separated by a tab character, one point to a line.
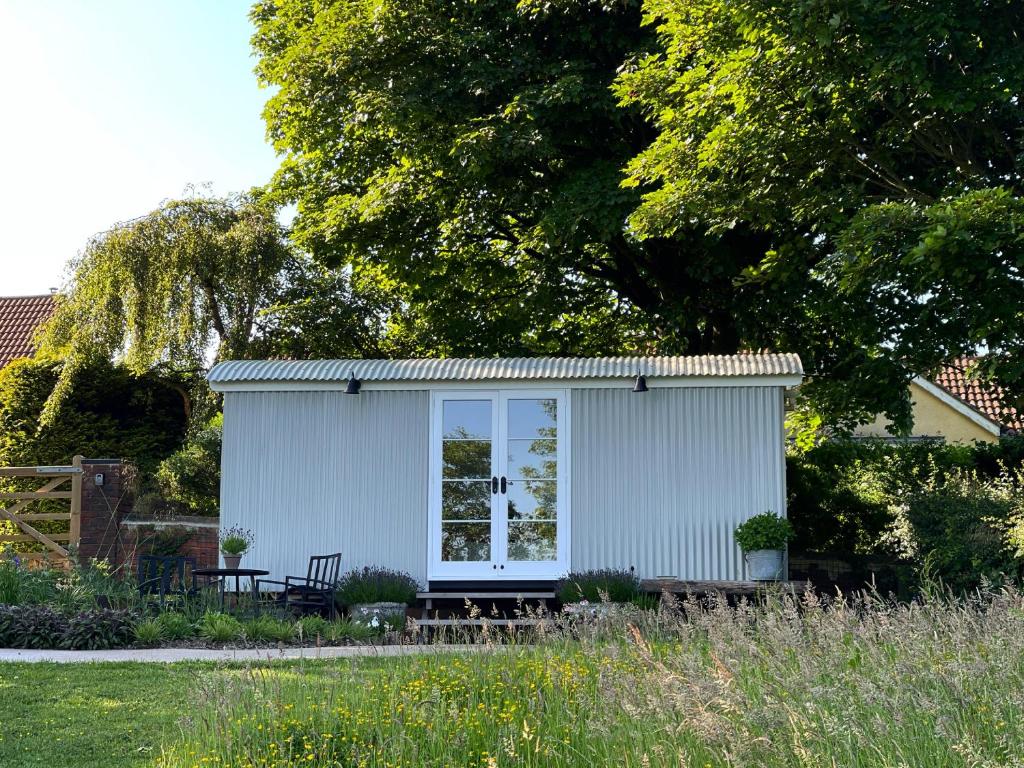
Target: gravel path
168	655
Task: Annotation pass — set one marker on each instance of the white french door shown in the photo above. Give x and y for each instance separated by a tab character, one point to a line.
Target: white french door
499	496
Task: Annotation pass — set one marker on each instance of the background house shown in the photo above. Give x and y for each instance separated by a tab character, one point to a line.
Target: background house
20	316
954	407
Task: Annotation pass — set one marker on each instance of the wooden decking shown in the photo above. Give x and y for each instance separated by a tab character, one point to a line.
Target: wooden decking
738	588
481	599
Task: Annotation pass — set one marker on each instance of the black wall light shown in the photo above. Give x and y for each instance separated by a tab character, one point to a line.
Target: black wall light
353	385
641	382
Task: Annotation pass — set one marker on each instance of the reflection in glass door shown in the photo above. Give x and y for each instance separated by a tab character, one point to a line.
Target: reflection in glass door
499	495
467	448
531	449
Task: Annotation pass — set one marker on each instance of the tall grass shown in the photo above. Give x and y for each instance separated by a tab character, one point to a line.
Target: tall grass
939	682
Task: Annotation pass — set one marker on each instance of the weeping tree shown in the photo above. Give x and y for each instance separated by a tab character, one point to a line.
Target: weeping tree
166	289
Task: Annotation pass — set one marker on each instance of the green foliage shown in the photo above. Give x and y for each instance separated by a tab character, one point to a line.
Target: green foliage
348	630
596	586
99	629
189	479
20	585
235	540
376	585
764	531
149	633
949	511
83	586
163	287
484	194
267	628
310	627
956	526
175	626
220	627
877	148
107	411
41	626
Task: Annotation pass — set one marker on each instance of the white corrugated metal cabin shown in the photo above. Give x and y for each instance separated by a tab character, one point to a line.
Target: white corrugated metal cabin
512	470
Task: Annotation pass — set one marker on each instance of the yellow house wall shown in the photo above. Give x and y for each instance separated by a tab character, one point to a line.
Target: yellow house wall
933	418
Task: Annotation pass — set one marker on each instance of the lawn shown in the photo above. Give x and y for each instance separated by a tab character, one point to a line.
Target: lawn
89	715
870	685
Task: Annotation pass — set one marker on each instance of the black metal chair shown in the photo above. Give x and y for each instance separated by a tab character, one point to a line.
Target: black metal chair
313	593
164	576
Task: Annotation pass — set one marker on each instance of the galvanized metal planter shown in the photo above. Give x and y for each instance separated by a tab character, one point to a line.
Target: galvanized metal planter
765	564
377	614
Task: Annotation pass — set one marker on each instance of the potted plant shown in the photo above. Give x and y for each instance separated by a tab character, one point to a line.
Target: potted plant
234	542
763	539
377	596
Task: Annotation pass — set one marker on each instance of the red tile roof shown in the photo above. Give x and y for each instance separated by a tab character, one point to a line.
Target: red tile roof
984	398
19	318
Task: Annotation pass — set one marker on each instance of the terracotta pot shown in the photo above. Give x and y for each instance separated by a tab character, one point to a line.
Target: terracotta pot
231	561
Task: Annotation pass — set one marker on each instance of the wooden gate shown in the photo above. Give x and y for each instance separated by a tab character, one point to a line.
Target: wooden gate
54	545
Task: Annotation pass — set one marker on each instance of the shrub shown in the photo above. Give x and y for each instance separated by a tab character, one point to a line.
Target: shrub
175	626
764	531
267	628
376	585
220	627
616	586
108	411
149	632
31	626
960	527
99	629
189	479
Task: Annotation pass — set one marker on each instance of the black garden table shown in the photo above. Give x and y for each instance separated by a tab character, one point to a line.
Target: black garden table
223	574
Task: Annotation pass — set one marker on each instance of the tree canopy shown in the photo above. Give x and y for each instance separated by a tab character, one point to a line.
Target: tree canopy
474	152
878	146
165	287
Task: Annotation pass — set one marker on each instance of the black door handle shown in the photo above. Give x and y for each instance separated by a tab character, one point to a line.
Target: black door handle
494	485
504	484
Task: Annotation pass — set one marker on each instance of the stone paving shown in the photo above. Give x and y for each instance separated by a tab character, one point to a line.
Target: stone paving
170	655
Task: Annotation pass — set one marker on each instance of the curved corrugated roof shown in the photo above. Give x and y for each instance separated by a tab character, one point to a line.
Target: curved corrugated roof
502	369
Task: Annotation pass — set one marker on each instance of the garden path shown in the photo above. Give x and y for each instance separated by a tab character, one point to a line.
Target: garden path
170	655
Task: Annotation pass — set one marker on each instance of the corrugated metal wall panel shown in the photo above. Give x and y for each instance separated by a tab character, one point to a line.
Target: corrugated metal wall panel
504	369
660	480
321	472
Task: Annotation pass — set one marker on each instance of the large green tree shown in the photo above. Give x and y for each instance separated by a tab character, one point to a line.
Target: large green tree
878	147
474	153
189	276
575	177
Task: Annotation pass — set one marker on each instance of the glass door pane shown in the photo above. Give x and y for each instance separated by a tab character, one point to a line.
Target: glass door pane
466	462
532	466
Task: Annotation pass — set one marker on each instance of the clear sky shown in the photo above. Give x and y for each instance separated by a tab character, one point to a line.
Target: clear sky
108	107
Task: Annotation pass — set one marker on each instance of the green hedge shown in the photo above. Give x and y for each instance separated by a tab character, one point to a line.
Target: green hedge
947	511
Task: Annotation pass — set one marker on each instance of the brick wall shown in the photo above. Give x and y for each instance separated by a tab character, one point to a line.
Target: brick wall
110	533
189	536
103	508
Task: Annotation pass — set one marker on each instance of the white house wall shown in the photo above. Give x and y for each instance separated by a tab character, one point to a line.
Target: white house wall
322	472
660	480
